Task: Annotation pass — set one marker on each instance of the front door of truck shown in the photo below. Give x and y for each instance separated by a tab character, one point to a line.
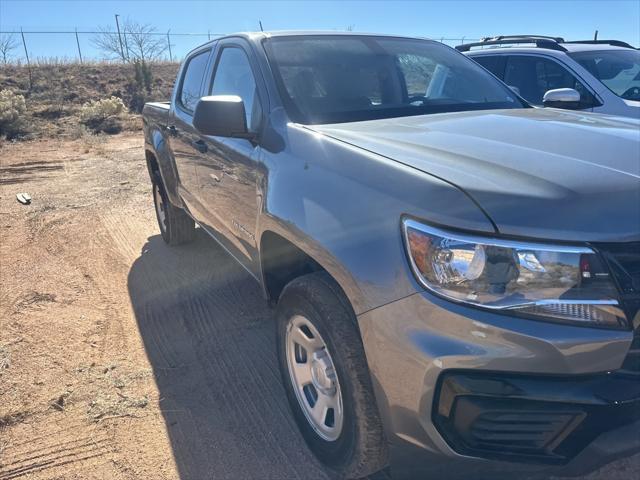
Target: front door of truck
230	175
183	138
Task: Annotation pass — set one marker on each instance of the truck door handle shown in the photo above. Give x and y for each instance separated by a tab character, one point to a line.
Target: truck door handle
172	130
199	145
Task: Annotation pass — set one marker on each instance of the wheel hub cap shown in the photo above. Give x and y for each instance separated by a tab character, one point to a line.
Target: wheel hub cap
323	374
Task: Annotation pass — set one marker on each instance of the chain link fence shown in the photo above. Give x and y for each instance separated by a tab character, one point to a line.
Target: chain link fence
38	47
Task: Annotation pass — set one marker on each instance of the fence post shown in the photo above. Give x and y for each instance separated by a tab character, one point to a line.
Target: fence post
169	44
26	54
119	37
78	42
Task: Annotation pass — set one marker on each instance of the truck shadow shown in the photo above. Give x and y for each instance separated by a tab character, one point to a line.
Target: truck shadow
210	340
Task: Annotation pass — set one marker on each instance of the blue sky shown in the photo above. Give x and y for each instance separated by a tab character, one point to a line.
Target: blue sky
577	19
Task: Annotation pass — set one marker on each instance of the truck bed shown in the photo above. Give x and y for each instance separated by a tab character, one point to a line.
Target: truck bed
156	113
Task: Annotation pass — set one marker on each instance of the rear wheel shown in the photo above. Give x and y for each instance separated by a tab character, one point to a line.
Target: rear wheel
325	374
176	227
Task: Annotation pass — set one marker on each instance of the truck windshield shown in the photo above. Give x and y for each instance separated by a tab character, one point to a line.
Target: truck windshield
619	70
335	79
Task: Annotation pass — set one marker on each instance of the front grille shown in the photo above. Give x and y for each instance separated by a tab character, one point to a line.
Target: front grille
624	262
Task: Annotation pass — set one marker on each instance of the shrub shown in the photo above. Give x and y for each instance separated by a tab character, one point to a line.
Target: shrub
12	114
103	115
101	109
143	76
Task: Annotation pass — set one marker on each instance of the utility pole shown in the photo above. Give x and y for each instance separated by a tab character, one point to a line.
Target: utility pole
595	36
78	42
120	38
26	54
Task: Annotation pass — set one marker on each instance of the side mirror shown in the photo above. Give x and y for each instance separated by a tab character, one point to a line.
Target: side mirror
222	116
562	98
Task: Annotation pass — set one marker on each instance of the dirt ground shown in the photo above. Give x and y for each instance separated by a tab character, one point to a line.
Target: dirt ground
121	358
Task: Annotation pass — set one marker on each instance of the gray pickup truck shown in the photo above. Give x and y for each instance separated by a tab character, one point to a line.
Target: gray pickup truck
455	274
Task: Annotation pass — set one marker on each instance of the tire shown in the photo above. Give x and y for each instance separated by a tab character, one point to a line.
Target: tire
176	227
354	446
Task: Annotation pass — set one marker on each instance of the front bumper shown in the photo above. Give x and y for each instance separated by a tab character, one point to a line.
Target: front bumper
421	347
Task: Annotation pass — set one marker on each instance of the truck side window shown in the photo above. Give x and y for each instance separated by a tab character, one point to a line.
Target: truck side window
534	76
233	76
192	80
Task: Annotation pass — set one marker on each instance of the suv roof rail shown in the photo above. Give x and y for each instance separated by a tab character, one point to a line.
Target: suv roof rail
615	43
510	37
551	43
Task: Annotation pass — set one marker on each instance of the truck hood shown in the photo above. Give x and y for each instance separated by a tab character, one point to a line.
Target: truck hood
542	173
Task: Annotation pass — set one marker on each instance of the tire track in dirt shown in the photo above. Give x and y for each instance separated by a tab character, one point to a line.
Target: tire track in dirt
46	452
244	339
263	401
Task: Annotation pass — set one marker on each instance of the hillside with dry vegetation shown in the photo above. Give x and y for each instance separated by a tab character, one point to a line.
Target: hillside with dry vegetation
56	93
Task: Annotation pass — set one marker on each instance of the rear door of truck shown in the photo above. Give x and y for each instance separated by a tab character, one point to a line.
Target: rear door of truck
185	141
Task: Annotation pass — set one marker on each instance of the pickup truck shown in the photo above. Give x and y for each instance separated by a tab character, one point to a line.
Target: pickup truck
455	274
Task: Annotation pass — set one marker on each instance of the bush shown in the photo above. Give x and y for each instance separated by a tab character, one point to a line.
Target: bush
143	76
101	109
103	115
13	109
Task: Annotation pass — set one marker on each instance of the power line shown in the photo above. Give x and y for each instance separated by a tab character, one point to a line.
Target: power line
106	32
185	34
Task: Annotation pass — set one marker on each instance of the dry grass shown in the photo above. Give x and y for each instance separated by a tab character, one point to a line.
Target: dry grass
60	89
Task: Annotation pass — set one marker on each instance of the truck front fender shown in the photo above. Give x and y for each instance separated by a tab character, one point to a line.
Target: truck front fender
343	206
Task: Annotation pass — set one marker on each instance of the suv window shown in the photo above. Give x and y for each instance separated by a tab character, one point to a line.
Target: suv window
493	63
192	80
534	76
234	76
619	70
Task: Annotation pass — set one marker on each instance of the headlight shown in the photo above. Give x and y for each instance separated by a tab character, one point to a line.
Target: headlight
553	282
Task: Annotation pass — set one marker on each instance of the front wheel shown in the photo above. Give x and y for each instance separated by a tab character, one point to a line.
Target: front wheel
176	227
325	374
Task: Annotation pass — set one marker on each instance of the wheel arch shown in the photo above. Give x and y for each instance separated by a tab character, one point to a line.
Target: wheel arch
283	258
152	162
159	159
